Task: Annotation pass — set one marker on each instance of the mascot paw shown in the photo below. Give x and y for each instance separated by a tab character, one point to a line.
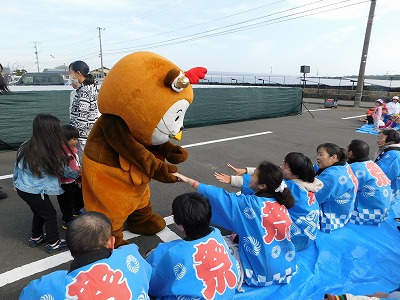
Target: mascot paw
172	168
154	224
178	155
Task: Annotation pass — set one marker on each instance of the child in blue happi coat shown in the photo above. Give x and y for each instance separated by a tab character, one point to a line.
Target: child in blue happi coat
299	176
336	198
262	222
198	267
374	191
388	158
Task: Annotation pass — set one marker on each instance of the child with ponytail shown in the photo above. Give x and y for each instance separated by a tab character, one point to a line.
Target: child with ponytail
299	176
262	222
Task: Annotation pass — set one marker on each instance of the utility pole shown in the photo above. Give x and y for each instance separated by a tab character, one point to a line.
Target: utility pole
361	72
101	52
37	58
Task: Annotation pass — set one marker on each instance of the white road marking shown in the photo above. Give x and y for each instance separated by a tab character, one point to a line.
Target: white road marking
353	117
226	139
6	176
318	109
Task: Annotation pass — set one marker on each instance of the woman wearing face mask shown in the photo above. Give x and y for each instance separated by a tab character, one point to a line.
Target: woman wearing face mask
336	198
84	111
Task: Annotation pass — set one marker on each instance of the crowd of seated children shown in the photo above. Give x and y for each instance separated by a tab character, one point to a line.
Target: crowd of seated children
383	115
277	213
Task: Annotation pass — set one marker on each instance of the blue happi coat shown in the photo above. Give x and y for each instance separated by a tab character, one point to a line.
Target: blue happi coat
198	269
373	195
304	214
263	225
389	162
124	275
336	198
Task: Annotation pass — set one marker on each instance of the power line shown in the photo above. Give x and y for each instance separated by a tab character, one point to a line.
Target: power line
223	30
212	33
198	24
250	20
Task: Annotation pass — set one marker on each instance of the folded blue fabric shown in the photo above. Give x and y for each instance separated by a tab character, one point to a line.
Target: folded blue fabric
367	128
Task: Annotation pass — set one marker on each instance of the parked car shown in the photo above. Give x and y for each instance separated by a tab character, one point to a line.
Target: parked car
49	78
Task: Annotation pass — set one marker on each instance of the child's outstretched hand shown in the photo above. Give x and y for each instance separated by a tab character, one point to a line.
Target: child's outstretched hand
222	177
181	177
239	172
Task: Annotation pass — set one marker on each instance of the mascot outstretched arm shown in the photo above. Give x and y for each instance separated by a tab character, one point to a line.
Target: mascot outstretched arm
143	101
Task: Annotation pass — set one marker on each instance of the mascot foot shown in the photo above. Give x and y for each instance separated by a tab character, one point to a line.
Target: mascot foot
121	242
155	223
119	238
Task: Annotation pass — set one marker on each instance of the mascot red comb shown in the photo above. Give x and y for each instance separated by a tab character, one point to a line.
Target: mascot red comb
143	101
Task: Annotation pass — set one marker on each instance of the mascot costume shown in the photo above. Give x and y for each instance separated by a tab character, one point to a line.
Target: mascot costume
143	101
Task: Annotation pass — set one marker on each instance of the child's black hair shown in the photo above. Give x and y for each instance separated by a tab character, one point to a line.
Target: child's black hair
391	136
70	132
193	212
359	150
301	166
333	149
44	152
271	175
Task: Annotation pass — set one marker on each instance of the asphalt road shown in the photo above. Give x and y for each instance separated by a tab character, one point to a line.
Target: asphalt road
210	149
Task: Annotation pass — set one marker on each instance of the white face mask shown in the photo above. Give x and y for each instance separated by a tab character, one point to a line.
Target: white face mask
73	80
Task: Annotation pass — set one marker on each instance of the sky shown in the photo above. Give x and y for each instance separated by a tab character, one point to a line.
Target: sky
273	37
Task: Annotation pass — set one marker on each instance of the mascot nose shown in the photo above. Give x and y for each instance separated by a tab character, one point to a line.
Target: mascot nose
178	136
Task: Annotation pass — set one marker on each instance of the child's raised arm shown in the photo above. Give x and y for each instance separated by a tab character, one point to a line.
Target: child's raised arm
190	181
224	178
239	171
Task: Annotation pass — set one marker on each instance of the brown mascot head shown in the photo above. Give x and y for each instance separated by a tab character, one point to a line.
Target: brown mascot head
151	94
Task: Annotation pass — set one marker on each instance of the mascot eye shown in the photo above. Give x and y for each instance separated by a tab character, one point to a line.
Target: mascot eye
176	80
177	118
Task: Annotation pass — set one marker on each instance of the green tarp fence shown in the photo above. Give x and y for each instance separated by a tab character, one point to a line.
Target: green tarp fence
212	105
